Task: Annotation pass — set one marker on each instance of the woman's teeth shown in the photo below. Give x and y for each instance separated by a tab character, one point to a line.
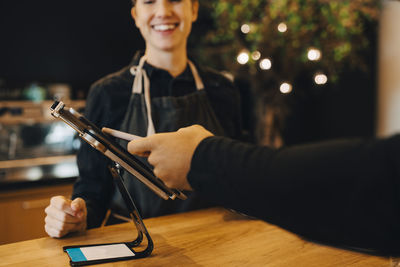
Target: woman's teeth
164	27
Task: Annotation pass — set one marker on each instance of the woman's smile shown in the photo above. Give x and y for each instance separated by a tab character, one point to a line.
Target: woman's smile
165	27
165	24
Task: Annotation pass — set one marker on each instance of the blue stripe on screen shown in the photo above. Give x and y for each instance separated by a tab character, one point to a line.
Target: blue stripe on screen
76	254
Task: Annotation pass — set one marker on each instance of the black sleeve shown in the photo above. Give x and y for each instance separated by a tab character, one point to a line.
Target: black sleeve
95	184
344	193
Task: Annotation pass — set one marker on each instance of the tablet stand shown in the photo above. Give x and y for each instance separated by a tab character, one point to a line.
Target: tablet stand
134	214
137	220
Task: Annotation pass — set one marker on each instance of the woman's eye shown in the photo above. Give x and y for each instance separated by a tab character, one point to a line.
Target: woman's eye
148	1
176	0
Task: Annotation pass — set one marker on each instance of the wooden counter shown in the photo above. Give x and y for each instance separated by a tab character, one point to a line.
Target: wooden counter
213	237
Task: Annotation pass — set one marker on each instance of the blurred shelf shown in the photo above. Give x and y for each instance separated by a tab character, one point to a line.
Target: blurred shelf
28	112
42	170
5	164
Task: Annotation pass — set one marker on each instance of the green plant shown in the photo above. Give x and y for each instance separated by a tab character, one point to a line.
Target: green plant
289	35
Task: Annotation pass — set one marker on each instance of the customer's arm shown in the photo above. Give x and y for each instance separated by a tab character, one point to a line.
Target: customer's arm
344	193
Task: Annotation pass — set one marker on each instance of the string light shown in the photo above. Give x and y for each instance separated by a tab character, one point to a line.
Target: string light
245	28
282	27
320	79
256	55
243	58
265	64
286	88
314	54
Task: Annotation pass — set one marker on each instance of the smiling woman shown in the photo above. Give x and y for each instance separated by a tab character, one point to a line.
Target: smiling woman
160	91
165	26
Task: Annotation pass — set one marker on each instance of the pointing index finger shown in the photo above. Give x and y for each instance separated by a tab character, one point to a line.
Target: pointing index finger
141	147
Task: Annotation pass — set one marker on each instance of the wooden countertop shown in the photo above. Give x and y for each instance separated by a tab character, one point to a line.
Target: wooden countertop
212	237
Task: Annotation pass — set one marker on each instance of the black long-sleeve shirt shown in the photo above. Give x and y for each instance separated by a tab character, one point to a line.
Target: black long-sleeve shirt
106	107
344	193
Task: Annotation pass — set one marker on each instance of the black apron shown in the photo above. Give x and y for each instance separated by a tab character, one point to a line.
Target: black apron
168	114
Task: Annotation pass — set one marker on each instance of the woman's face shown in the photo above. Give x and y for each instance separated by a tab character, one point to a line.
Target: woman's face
165	24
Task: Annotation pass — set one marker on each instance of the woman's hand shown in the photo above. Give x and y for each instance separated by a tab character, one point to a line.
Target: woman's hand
64	216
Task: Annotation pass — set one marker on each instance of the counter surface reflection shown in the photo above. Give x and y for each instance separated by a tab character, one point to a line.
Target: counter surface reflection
212	237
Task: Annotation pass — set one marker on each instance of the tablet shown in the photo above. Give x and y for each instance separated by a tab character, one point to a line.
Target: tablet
104	143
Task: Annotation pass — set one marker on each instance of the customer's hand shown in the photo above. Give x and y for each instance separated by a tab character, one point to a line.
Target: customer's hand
171	153
64	216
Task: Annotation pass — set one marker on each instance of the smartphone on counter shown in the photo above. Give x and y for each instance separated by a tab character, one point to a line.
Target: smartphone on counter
99	253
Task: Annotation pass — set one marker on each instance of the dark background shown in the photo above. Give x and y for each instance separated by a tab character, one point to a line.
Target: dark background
78	42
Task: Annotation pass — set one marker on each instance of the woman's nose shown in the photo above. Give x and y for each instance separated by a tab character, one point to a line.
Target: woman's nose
163	8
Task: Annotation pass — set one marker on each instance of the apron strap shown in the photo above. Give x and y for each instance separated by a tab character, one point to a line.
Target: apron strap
197	79
141	75
138	72
150	125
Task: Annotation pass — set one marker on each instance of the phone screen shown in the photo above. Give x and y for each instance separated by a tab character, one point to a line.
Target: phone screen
99	252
